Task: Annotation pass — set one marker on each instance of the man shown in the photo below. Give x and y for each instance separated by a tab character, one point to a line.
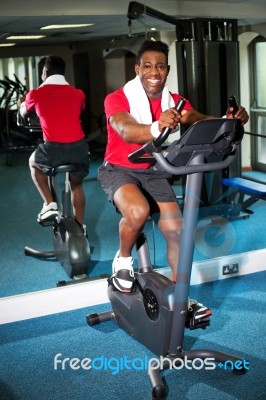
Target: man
136	114
58	106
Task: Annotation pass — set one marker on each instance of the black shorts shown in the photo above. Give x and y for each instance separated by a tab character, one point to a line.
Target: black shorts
154	184
49	155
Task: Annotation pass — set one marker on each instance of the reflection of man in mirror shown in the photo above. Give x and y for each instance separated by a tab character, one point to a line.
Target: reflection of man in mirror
59	107
136	114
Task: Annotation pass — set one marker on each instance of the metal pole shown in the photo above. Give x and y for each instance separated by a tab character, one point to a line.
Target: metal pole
190	218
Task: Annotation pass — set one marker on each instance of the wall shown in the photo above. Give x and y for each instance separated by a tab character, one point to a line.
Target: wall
114	72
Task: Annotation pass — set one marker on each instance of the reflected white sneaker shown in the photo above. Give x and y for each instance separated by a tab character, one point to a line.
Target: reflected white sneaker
123	273
85	231
48	212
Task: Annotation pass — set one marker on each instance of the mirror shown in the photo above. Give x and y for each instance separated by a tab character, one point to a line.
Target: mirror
20	202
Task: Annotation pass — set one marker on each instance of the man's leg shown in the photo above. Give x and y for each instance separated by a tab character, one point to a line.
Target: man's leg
170	224
135	210
40	180
77	198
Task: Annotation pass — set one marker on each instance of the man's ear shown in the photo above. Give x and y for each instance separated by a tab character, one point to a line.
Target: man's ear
137	69
168	68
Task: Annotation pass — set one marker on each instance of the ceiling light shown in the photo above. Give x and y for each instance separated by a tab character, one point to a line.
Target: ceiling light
25	37
7	44
67	26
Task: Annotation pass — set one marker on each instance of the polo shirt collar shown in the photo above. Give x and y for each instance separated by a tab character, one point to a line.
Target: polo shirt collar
55	79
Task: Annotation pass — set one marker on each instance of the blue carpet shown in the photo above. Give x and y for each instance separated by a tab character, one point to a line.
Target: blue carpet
28	349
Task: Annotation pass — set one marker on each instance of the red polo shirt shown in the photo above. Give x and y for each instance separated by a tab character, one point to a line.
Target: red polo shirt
117	149
58	107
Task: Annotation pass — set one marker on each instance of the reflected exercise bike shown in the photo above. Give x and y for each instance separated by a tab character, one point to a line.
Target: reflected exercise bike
70	244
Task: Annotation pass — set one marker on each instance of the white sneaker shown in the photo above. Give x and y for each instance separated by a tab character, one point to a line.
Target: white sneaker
198	316
198	309
85	231
123	273
48	212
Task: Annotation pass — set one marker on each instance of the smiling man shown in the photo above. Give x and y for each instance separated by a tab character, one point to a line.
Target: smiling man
136	114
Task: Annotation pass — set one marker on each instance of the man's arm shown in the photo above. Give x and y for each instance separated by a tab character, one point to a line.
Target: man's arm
132	132
129	129
29	99
193	116
22	107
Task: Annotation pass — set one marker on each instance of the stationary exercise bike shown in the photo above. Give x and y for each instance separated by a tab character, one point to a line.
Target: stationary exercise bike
155	312
70	244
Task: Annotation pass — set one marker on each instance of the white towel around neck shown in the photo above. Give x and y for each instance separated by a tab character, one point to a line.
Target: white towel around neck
139	102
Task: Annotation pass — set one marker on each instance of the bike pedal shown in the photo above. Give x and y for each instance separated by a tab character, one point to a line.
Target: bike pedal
201	323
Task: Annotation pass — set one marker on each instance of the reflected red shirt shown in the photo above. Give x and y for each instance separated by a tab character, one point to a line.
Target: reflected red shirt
59	109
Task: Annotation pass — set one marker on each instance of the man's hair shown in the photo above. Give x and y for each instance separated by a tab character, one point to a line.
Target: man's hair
55	65
151	45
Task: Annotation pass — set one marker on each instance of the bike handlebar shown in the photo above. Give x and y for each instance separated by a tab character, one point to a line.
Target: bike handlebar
153	145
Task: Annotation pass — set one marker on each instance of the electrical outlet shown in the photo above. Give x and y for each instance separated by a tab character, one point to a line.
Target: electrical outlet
230	269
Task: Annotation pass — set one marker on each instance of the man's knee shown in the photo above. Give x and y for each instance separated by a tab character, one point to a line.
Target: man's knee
32	161
75	181
172	236
136	216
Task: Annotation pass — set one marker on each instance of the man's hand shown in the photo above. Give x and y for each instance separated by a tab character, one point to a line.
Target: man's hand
240	114
21	100
169	119
22	106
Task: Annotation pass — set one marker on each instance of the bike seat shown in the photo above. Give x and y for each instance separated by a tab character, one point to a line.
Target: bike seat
67	168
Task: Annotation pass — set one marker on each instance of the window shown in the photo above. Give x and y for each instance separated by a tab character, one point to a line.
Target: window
258	111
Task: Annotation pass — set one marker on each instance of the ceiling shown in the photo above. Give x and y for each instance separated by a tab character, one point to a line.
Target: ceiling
110	17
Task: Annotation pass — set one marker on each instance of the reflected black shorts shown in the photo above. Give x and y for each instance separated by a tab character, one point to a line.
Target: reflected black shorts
49	155
154	184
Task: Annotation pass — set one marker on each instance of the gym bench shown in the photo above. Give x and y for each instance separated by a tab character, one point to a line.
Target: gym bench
240	188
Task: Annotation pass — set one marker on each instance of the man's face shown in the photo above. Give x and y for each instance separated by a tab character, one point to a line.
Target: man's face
153	71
